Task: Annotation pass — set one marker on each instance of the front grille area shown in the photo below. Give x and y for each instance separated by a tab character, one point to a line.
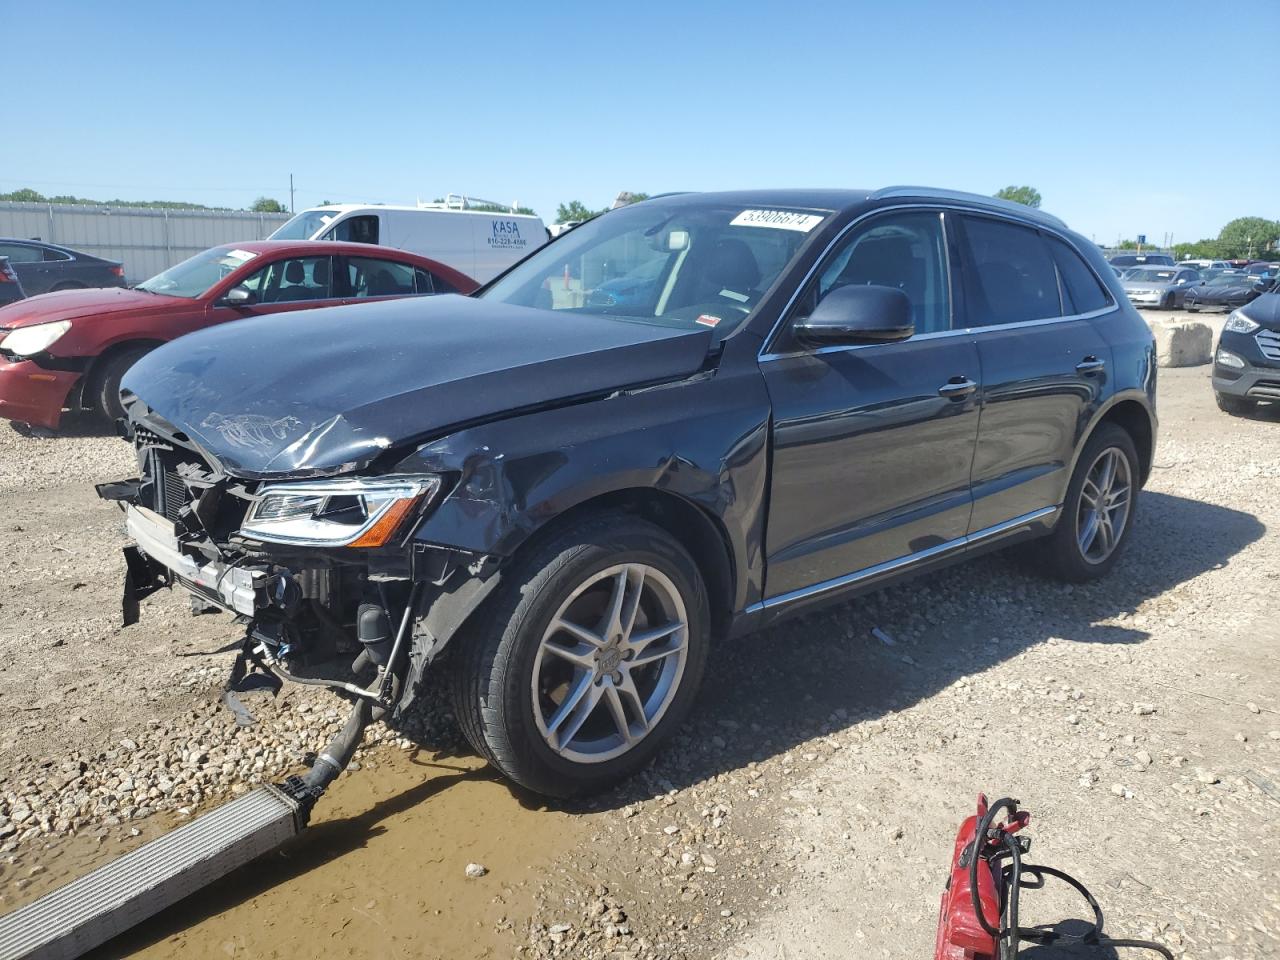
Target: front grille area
1269	343
169	493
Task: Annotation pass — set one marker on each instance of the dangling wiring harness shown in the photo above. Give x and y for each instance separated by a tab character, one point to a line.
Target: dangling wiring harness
979	914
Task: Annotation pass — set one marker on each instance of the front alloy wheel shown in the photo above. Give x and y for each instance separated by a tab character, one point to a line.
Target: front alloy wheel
587	655
610	663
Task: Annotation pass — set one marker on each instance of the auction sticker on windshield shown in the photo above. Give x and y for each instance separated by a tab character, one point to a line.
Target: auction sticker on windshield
777	219
244	256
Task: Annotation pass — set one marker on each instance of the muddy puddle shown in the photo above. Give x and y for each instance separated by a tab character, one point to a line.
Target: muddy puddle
379	873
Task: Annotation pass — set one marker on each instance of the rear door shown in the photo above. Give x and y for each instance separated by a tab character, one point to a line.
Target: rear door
1029	299
371	278
872	443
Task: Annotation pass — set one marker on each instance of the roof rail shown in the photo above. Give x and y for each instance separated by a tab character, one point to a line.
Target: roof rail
935	193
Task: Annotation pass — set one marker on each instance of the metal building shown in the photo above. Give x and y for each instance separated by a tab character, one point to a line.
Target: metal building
146	240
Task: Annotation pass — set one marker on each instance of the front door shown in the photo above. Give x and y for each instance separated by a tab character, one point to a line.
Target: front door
872	443
1033	303
292	283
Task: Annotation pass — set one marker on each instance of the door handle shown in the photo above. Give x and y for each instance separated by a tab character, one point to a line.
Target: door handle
957	388
1090	364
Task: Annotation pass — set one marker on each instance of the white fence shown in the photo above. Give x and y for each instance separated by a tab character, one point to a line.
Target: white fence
145	240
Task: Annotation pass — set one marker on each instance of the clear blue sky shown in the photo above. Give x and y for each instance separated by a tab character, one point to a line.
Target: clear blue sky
1128	118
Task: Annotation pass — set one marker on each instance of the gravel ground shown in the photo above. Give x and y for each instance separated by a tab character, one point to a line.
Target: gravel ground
810	805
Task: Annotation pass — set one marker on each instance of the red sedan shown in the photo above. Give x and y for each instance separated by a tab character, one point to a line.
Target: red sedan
70	348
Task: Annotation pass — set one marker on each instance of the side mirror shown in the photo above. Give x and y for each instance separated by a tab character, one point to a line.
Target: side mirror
238	297
858	314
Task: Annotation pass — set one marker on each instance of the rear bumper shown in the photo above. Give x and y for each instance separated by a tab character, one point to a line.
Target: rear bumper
31	394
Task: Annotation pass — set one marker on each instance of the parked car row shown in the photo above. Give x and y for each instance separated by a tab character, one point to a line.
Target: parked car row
1194	284
70	348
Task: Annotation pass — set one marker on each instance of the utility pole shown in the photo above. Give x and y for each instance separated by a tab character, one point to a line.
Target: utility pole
291	194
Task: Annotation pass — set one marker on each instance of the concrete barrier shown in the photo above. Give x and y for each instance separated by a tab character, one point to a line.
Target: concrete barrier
1181	343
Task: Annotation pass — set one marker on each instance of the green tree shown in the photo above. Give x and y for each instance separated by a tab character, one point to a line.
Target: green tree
575	210
1249	237
1027	195
25	195
1200	250
268	205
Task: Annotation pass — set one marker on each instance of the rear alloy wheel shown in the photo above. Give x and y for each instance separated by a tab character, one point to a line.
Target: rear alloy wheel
588	654
1236	406
1098	511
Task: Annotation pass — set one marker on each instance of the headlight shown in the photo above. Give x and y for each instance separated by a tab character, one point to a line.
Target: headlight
1239	323
1226	358
336	513
26	341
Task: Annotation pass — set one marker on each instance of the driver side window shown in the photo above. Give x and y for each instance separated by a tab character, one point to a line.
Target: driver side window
905	251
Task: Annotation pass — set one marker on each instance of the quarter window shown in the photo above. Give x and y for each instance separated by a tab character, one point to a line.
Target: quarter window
1013	276
1081	290
51	255
904	251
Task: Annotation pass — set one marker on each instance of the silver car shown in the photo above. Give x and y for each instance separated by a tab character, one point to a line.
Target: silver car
1156	286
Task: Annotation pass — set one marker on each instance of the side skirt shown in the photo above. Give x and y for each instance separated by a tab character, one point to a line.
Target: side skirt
772	609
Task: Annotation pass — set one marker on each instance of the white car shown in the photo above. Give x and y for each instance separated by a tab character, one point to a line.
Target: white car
1205	264
480	244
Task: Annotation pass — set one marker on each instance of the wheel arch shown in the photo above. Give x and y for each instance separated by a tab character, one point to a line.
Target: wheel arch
92	379
1132	414
702	535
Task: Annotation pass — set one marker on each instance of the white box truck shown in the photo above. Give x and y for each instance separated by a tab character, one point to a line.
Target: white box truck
479	243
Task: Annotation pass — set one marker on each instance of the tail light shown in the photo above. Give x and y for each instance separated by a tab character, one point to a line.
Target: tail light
7	274
117	271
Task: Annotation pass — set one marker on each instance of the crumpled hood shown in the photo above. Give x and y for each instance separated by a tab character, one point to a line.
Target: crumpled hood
323	391
76	304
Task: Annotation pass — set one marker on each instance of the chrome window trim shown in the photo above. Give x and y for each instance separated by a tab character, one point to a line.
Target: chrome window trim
767	354
969	331
901	563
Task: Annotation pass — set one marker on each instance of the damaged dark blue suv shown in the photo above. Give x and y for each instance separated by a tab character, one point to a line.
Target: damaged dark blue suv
813	393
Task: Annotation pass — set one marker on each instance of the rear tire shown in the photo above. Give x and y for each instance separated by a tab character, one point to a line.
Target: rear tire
512	661
1097	512
1236	406
105	393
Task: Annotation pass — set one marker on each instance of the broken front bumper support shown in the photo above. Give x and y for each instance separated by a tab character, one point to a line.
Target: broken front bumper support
158	560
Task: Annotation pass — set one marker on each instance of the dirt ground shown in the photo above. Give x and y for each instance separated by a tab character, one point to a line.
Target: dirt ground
807	810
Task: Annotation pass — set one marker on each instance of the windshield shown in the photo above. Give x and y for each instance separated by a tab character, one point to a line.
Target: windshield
191	278
1149	275
680	262
1227	276
305	225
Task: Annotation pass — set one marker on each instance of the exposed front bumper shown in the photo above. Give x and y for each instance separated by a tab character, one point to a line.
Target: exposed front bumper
235	588
31	394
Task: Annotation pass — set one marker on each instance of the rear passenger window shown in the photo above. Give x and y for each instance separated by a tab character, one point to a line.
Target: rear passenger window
1080	286
51	255
367	277
1012	277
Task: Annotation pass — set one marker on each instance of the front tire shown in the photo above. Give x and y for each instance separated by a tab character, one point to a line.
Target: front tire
1236	406
105	394
1098	510
588	655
